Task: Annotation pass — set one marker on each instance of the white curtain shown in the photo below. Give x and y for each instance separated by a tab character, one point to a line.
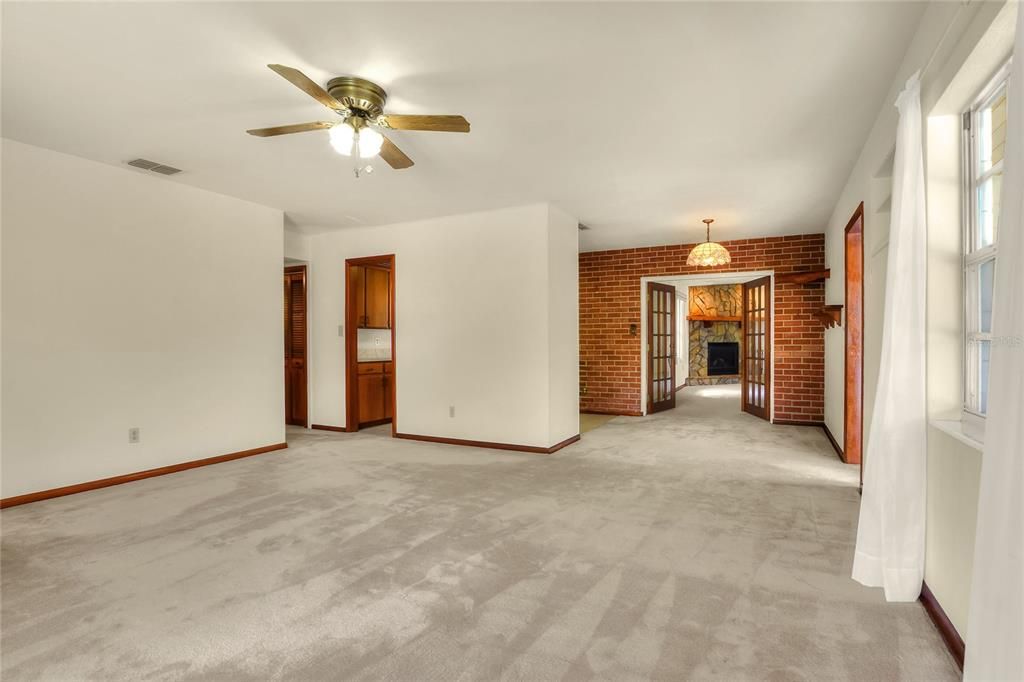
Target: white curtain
890	535
995	624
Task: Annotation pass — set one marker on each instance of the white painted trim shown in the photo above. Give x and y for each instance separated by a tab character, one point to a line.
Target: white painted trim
955	429
709	279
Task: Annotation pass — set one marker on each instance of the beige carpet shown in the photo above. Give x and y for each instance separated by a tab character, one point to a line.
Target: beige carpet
696	544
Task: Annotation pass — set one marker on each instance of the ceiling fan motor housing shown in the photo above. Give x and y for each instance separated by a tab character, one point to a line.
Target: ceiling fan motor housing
358	94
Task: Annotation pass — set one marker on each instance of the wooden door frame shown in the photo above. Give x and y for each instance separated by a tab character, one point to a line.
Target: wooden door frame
690	279
853	343
288	270
769	347
351	338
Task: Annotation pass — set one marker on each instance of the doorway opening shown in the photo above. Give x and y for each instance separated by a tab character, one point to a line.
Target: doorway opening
296	411
853	399
370	375
708	330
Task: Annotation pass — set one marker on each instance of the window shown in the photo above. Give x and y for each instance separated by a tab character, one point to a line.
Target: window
984	145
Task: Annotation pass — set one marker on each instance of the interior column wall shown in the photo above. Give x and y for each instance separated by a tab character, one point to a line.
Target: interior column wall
483	328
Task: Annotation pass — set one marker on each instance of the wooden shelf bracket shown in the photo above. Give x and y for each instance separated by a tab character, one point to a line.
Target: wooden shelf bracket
830	315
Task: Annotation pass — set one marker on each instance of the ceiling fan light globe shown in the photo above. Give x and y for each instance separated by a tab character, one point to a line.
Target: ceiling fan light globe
342	136
370	142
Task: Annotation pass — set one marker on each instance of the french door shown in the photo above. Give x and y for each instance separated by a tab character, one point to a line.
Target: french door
295	345
661	347
757	347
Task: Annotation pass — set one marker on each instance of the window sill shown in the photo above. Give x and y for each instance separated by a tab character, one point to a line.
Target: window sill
955	429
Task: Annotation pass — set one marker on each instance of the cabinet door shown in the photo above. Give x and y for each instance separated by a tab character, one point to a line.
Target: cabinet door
378	290
357	282
389	411
371	398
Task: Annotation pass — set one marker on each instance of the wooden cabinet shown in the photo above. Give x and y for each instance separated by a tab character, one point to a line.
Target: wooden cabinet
375	400
372	294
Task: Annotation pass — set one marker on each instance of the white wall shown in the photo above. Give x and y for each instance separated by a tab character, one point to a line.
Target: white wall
949	37
296	246
132	301
486	321
563	326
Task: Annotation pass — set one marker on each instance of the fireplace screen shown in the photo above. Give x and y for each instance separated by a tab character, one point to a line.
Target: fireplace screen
723	358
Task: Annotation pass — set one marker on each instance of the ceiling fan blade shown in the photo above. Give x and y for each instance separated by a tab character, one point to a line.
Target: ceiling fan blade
288	130
304	83
394	156
444	124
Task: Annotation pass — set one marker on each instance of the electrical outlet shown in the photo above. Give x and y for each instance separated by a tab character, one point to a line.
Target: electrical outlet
451	411
133	434
341	330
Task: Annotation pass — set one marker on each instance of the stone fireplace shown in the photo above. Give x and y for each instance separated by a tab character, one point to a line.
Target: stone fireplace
723	358
715	334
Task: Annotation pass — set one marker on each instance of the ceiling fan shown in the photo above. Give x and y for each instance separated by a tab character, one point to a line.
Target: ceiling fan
360	105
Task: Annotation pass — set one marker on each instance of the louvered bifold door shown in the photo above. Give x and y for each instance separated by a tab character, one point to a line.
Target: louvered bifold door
295	345
757	350
661	347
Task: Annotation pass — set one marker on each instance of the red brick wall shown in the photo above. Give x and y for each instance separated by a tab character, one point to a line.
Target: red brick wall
610	303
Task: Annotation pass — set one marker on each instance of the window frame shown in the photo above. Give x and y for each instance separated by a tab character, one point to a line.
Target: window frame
973	257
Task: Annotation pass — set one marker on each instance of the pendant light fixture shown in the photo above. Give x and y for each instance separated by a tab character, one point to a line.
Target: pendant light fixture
709	254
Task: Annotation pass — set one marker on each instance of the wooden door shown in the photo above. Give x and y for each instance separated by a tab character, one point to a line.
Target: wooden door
757	350
661	347
853	401
378	290
295	345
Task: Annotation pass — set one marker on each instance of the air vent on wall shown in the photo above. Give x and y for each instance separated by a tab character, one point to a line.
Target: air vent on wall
146	164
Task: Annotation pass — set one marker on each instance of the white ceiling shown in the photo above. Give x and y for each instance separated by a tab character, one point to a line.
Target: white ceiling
638	119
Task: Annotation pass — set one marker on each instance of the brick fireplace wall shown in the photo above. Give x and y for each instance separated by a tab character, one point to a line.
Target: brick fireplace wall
610	302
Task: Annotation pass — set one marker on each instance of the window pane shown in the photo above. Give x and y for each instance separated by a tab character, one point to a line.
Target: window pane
991	134
988	210
986	279
998	128
986	347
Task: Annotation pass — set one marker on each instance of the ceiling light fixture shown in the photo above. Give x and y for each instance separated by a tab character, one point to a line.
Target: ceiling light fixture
342	137
353	137
709	254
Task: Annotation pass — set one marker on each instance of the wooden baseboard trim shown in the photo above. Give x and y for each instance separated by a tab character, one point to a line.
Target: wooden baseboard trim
679	388
952	639
487	444
835	444
617	413
137	476
325	427
822	425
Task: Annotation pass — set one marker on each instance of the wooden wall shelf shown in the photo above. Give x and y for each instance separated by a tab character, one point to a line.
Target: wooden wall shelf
807	277
830	315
